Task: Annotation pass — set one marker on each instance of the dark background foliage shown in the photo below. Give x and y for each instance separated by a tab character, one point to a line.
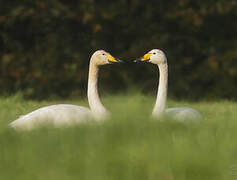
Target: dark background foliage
45	46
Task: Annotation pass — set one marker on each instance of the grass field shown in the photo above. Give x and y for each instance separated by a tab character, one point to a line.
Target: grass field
128	146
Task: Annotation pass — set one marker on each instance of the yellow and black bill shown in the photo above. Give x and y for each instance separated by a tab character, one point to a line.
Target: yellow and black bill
144	58
112	59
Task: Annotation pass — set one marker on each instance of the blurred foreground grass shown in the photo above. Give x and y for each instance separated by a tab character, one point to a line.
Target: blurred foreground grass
128	146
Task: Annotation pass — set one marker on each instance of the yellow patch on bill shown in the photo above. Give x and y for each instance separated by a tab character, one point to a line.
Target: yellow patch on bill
111	58
146	57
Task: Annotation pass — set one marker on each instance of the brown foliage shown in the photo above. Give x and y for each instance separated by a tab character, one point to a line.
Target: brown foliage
46	46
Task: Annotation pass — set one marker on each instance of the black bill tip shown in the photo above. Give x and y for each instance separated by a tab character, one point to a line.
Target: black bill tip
120	61
138	60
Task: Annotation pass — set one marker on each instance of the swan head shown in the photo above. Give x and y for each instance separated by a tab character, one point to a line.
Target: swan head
155	56
102	57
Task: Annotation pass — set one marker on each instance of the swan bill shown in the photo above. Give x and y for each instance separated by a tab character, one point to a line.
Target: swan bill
112	59
144	58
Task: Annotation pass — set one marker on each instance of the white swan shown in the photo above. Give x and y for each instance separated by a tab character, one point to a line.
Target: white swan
67	114
184	114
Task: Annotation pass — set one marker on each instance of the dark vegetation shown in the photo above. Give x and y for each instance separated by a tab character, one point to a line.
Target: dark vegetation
45	45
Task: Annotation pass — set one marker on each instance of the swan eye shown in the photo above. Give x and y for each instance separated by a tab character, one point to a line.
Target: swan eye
103	54
154	53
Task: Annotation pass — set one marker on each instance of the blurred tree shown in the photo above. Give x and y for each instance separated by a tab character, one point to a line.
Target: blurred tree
46	45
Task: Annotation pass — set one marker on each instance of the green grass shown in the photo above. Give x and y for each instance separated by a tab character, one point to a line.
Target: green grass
128	146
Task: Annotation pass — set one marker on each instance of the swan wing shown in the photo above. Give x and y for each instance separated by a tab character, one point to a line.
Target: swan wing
56	115
183	114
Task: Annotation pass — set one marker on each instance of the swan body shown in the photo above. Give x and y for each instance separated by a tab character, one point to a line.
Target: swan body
55	115
68	114
158	57
183	114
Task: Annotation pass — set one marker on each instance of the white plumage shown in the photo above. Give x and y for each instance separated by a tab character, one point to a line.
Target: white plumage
55	115
67	114
183	114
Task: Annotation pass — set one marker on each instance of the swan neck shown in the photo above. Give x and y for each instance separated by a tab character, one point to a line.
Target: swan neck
160	104
97	108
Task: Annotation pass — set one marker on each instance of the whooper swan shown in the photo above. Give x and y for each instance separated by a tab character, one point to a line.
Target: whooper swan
183	114
68	114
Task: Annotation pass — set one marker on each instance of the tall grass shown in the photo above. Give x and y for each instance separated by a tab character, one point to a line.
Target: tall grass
127	146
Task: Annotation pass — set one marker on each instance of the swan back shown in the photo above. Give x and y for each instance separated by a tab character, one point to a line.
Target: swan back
183	114
55	115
